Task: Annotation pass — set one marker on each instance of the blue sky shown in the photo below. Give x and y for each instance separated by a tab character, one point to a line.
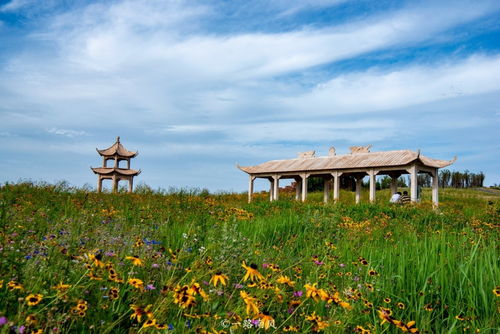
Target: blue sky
198	86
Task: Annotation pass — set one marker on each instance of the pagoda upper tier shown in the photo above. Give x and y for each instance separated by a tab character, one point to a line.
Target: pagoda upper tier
118	150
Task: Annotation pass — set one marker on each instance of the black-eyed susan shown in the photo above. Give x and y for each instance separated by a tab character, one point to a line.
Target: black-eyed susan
369	287
496	291
291	329
266	321
368	304
362	330
372	272
313	292
31	320
149	323
196	288
387	300
34	299
139	312
219	277
136	261
252	273
318	323
61	287
161	326
113	293
136	283
385	315
285	280
184	297
96	259
13	285
428	307
250	302
401	305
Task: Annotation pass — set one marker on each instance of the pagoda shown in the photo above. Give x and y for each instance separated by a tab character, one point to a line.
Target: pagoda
117	153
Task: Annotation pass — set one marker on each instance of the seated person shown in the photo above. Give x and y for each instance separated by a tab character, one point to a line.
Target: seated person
395	197
404	199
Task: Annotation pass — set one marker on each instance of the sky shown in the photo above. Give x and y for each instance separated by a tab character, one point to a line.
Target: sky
200	86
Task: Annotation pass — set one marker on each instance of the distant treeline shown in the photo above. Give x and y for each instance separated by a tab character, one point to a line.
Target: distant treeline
446	179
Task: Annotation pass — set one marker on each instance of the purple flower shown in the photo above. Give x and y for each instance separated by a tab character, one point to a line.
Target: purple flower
319	263
3	321
155	265
21	329
255	322
150	287
238	286
290	310
341	265
265	265
205	283
298	293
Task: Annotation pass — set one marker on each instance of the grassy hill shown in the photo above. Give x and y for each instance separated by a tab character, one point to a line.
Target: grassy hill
77	261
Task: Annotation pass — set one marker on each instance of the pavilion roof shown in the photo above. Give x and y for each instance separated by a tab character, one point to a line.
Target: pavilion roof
120	171
117	149
346	161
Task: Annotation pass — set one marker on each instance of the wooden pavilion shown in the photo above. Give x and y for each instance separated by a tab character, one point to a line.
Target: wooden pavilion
117	153
359	163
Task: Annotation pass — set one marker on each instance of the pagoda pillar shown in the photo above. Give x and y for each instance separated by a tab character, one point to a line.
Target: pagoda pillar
99	184
336	185
276	184
130	184
304	187
435	189
250	188
326	189
298	186
373	186
115	184
359	180
413	182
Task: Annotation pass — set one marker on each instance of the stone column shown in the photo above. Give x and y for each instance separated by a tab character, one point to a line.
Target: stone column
336	185
373	186
104	162
276	183
116	162
99	183
250	188
359	180
435	187
128	163
326	190
298	186
271	189
304	187
394	184
413	183
115	184
130	184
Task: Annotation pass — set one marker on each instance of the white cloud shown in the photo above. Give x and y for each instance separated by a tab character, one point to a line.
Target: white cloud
15	5
66	133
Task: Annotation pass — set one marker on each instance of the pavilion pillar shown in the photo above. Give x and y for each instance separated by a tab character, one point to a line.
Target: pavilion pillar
359	180
104	162
128	163
298	186
326	189
435	187
115	184
130	184
336	185
373	186
271	189
394	184
116	161
99	184
250	188
304	187
276	184
413	182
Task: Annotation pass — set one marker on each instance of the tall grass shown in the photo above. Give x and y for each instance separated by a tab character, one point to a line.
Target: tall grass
437	268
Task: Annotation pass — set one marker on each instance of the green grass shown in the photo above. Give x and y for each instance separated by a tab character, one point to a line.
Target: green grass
442	266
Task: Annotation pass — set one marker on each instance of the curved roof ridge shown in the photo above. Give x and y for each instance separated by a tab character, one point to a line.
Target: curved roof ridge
117	149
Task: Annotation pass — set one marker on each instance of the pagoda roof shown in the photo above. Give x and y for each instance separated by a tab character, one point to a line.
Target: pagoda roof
120	171
346	161
117	149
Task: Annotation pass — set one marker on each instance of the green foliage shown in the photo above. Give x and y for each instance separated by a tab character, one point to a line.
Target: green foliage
438	268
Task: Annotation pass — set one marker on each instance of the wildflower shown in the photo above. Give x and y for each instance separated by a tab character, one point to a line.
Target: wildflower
113	293
372	272
291	329
136	261
252	273
183	296
13	285
251	303
61	287
150	323
34	299
363	261
139	312
496	291
428	307
285	280
138	242
315	293
93	276
387	300
317	322
360	329
266	321
385	315
31	320
298	293
219	277
161	326
195	288
369	287
3	321
136	283
401	305
96	259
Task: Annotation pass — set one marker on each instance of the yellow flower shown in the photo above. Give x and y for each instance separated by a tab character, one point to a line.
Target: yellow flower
252	273
149	323
318	324
313	292
266	321
136	283
34	299
139	312
13	285
496	291
184	296
61	287
285	280
96	259
251	303
136	261
291	329
219	277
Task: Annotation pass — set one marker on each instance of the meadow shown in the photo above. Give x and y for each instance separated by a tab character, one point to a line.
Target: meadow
185	261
